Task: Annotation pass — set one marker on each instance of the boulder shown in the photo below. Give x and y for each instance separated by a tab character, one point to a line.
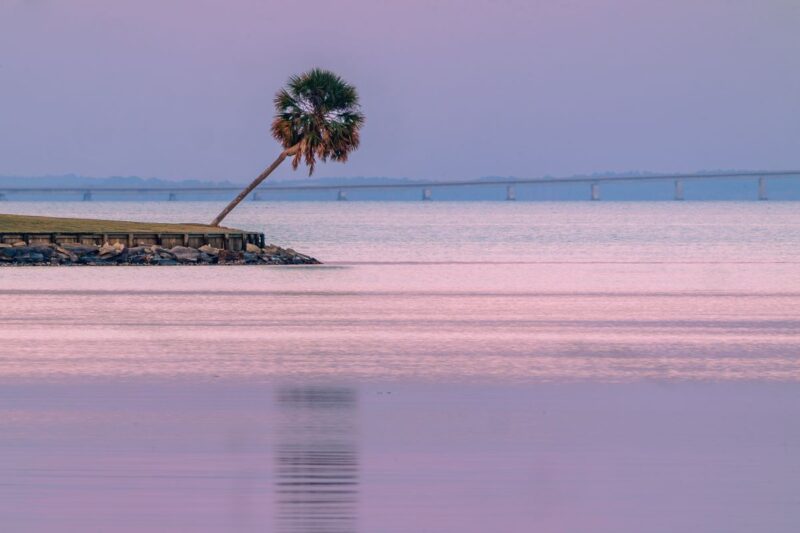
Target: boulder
65	255
208	249
272	250
207	259
140	259
252	248
121	257
80	249
185	254
45	251
138	250
229	256
107	251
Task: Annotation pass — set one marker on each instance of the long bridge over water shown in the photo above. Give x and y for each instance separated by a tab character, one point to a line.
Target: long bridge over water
87	193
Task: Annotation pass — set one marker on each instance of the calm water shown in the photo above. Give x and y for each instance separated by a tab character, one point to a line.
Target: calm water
452	367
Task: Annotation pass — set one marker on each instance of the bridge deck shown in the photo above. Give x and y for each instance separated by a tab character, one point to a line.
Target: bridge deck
411	184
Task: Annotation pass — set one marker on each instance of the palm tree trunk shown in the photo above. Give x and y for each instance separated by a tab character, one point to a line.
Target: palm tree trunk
256	182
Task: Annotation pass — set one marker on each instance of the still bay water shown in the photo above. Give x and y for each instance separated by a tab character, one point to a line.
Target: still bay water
451	367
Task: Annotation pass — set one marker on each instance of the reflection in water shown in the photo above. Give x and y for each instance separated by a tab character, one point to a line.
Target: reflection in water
317	460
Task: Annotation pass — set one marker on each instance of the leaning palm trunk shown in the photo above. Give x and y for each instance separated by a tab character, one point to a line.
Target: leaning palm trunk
256	182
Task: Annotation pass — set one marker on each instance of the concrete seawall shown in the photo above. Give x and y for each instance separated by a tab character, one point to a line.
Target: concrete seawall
224	240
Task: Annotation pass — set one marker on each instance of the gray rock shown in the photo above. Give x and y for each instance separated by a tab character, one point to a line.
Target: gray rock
138	250
118	254
185	254
183	250
208	249
107	251
272	250
65	255
230	257
45	251
80	249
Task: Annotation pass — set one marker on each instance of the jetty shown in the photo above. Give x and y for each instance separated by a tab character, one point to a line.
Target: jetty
36	230
48	241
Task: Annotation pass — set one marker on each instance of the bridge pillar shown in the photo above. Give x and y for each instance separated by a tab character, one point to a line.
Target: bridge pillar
172	197
678	190
762	188
426	195
595	191
511	193
87	196
342	195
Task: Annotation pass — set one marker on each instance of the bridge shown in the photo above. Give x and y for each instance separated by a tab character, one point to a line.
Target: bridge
426	188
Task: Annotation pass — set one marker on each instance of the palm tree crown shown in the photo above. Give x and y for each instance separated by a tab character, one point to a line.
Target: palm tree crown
317	117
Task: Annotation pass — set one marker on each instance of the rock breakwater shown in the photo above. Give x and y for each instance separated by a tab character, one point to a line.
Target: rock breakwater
66	254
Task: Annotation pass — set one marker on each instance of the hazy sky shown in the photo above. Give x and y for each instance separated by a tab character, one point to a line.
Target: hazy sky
451	89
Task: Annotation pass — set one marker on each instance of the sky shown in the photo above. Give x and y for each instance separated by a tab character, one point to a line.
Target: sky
181	89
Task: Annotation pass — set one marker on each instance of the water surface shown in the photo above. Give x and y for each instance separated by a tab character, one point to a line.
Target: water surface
452	367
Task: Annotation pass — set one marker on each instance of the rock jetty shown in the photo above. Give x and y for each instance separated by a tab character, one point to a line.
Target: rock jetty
22	254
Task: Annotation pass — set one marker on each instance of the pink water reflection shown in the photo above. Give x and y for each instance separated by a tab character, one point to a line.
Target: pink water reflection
405	321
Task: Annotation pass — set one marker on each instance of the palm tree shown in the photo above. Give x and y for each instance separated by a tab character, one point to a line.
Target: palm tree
317	117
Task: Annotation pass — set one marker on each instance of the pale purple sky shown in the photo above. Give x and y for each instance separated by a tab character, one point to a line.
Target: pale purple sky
451	89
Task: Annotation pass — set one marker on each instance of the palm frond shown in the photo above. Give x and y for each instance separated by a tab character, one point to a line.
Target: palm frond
319	115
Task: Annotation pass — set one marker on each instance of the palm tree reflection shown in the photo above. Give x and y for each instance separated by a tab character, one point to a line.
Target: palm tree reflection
317	460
